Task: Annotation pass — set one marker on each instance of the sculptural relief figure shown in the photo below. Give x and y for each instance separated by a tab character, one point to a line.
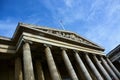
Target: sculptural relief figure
69	36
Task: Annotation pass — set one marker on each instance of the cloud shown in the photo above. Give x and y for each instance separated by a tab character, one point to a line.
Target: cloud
68	3
7	27
105	36
68	11
101	19
104	28
98	20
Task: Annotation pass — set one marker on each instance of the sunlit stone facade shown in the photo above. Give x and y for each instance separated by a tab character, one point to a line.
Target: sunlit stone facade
39	53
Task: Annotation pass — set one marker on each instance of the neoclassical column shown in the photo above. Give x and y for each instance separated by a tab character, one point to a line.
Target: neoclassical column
82	67
103	71
39	70
18	69
69	65
51	64
27	61
108	69
113	67
93	68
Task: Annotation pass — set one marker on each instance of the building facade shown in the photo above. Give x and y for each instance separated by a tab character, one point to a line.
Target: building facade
39	53
114	56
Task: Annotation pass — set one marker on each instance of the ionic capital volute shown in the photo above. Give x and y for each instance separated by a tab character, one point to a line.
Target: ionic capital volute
75	51
47	45
62	48
27	41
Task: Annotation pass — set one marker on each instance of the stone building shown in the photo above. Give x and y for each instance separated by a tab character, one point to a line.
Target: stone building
39	53
114	56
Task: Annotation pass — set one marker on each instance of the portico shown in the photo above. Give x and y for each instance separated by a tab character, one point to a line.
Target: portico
40	53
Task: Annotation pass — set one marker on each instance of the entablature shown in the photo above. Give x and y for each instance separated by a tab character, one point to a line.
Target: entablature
45	40
53	37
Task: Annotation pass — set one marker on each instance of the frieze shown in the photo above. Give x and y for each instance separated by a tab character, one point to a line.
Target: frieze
67	35
62	33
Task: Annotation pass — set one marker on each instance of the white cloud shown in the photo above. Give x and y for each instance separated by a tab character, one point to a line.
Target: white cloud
105	36
101	19
68	3
106	32
68	11
7	27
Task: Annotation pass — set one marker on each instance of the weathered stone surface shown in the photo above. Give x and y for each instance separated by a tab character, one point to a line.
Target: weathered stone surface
18	69
27	61
93	68
51	57
69	65
51	64
82	67
110	71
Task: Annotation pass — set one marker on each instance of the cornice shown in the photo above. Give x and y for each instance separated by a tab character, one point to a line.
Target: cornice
62	34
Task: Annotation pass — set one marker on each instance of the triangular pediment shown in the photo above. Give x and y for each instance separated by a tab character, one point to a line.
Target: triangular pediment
64	34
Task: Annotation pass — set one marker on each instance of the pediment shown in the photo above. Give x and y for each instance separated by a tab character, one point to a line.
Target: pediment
64	34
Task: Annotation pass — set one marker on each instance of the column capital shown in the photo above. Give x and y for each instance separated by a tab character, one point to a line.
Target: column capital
94	55
86	53
47	45
27	41
62	48
75	51
102	56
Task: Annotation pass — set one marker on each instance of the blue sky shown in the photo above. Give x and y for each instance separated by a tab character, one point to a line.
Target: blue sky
97	20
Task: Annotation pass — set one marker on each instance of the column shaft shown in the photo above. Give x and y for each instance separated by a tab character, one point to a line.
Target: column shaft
109	69
69	65
82	67
18	69
113	67
27	60
103	71
40	74
93	68
51	64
